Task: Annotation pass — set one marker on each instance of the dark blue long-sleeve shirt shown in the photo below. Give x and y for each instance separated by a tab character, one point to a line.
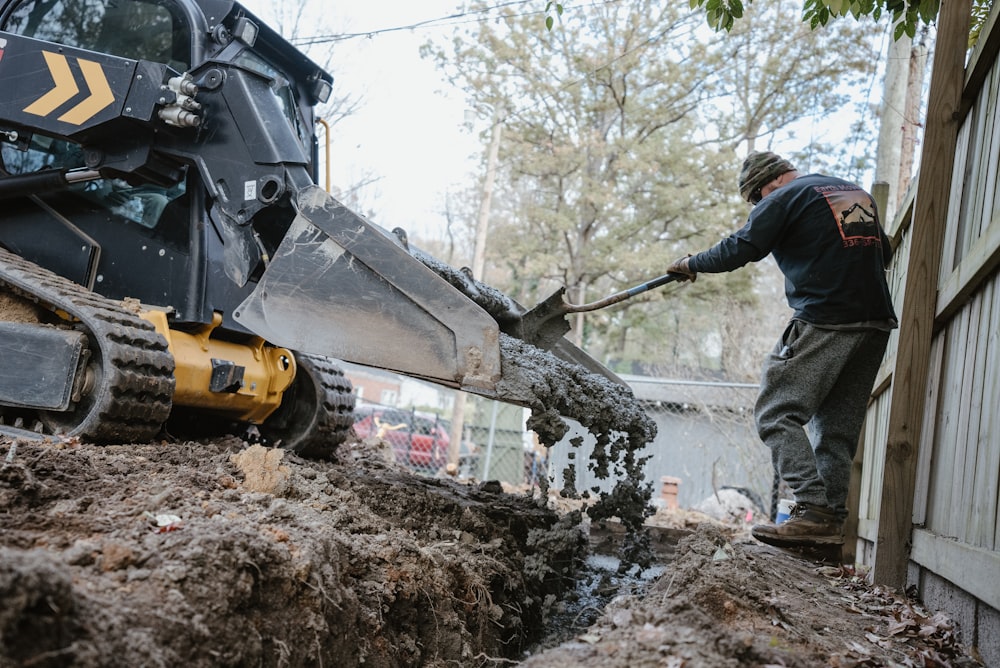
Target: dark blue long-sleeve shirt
825	235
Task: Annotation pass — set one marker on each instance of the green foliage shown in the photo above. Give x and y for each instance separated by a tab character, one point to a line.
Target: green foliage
721	14
906	15
980	15
551	6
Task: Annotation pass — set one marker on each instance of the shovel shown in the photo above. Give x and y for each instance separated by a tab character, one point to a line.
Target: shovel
545	324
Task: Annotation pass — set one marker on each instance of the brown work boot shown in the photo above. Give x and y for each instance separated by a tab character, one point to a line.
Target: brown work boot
806	525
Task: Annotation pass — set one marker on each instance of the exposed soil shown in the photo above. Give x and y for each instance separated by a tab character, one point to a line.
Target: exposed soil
224	554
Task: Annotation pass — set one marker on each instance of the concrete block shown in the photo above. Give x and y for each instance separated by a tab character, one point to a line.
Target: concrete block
988	635
940	595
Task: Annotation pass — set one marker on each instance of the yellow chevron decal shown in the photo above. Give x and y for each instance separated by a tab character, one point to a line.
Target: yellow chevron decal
100	94
65	87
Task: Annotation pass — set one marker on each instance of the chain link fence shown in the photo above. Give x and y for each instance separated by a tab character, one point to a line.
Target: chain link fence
705	441
495	444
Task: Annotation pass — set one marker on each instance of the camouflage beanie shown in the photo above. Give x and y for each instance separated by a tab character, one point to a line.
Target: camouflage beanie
759	169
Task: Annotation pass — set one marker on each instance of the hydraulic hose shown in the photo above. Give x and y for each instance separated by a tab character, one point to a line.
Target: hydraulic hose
46	180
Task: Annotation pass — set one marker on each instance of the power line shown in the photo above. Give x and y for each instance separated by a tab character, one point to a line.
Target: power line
451	19
480	15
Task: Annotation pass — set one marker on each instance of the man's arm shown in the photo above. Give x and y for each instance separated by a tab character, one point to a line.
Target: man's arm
729	254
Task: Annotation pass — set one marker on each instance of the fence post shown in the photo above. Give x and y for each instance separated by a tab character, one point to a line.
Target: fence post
489	440
916	322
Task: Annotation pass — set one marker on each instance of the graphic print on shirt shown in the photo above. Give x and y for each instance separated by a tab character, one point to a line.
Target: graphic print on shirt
854	212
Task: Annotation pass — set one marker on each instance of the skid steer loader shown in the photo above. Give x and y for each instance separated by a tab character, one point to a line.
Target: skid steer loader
166	254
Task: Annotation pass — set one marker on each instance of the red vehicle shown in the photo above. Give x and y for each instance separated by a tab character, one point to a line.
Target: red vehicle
419	440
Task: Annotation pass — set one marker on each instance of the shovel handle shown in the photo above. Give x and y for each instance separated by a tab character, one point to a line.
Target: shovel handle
625	294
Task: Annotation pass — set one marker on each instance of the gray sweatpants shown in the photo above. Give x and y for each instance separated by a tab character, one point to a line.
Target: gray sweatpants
820	380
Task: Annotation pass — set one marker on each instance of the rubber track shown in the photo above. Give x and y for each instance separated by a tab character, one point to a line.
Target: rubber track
134	396
335	411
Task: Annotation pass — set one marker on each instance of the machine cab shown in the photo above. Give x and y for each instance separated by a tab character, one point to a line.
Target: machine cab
173	198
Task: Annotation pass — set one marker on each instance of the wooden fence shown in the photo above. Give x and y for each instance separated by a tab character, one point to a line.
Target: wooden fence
929	487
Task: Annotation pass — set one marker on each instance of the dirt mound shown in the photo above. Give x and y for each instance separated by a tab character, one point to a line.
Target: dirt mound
216	554
726	600
225	554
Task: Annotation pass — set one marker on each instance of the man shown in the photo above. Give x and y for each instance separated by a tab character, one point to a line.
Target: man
825	236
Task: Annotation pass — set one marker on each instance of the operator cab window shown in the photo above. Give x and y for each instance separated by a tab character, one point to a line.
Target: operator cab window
281	88
127	28
133	29
143	205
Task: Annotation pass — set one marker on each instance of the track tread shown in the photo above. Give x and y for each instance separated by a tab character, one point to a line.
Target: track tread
137	371
318	434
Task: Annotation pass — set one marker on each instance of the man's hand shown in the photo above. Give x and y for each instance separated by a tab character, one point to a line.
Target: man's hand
681	267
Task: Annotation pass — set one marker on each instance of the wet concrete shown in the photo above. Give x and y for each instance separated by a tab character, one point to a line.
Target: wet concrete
557	389
610	412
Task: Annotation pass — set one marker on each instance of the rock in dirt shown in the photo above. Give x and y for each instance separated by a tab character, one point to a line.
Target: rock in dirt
262	470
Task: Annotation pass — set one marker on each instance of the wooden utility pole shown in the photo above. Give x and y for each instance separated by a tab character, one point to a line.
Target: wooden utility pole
899	126
911	114
909	384
478	265
888	156
483	223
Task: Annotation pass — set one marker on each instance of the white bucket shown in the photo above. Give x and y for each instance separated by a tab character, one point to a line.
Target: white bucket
784	510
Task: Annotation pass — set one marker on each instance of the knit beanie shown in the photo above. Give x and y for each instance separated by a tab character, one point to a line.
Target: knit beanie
759	169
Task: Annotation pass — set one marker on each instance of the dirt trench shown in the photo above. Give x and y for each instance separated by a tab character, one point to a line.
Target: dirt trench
220	553
223	554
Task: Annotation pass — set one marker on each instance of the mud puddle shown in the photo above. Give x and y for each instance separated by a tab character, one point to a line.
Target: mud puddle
599	582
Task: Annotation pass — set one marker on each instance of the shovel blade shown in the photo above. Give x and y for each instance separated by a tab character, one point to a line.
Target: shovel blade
544	325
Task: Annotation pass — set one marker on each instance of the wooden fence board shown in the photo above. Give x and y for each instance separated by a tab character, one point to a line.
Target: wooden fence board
967	446
974	570
982	501
982	62
940	519
979	262
868	461
885	409
989	189
896	279
922	485
994	199
874	462
990	431
969	202
950	243
988	475
986	101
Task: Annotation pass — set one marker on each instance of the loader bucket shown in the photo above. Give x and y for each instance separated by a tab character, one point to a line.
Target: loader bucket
342	287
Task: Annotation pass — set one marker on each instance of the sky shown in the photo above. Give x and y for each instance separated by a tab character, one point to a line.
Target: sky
410	131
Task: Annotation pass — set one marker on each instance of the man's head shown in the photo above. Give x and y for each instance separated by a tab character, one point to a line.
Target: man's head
759	169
